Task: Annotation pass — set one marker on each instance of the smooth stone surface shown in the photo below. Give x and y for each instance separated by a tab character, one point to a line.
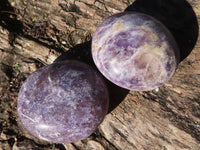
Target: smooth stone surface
135	51
63	102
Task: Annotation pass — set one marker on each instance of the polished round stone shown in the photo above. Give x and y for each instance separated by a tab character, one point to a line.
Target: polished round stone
135	51
63	102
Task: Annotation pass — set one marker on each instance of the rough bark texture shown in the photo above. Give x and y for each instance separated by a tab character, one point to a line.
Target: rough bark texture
35	33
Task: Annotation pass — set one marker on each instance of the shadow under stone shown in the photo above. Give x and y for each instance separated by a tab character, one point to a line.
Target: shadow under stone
177	15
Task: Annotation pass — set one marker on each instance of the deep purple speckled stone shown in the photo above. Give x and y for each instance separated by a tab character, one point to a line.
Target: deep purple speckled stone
63	102
135	51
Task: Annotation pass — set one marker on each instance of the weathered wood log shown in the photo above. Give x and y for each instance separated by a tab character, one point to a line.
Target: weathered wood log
34	33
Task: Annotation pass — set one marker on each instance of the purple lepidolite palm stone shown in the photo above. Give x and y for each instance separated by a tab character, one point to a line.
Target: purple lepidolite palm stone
135	51
63	102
